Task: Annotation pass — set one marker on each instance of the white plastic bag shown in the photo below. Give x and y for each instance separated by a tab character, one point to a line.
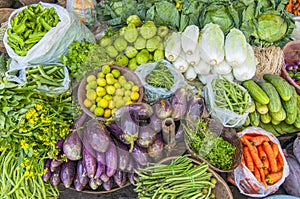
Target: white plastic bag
55	42
227	117
242	173
152	92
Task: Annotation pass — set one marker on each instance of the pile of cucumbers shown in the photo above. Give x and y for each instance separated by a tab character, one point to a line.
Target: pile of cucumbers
275	105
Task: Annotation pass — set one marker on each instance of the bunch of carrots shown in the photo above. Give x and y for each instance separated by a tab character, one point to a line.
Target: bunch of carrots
293	7
262	158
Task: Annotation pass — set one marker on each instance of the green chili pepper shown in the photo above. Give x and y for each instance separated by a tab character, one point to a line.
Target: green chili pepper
17	38
20	52
56	20
37	35
45	24
30	13
27	33
45	12
15	21
32	40
21	27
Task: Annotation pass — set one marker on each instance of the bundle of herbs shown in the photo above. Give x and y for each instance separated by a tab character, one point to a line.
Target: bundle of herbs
205	142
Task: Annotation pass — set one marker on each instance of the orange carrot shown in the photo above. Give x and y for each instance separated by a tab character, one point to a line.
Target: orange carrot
266	163
275	148
280	162
243	159
248	159
266	171
262	155
254	153
259	139
274	177
263	177
270	154
257	174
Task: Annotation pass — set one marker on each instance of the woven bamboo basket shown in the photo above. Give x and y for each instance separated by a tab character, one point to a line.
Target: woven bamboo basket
291	53
228	134
221	189
28	2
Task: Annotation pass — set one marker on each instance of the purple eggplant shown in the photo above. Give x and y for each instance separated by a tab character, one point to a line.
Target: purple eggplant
80	121
81	174
130	165
67	173
89	162
77	185
111	159
179	136
104	177
59	145
118	178
98	181
195	109
47	175
108	185
87	146
56	163
73	146
155	150
162	108
139	110
55	177
100	157
96	135
292	183
133	178
116	131
93	184
123	155
140	155
130	129
296	148
155	123
179	103
146	136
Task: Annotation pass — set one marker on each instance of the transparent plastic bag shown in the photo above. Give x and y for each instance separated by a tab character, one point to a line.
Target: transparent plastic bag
84	9
55	42
152	93
226	116
242	173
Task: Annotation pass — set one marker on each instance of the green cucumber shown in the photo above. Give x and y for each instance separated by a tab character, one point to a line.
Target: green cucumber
256	92
275	102
283	88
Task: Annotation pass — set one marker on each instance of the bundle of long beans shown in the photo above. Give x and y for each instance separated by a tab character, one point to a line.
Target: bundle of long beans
230	95
179	179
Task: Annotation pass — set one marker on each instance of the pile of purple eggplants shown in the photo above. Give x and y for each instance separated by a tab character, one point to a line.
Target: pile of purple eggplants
102	156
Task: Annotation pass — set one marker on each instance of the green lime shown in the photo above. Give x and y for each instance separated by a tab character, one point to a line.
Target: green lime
110	80
134	96
135	88
98	99
88	87
100	75
92	84
117	98
107	97
113	110
103	103
117	85
99	111
101	81
127	93
127	86
93	107
110	90
87	103
119	103
120	92
128	102
107	113
111	104
126	99
91	78
116	73
106	69
91	95
100	91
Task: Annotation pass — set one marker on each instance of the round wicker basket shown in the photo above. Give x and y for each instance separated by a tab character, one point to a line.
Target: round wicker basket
291	53
228	134
28	2
221	189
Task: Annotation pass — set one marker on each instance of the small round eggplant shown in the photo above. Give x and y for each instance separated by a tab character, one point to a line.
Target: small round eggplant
97	135
140	155
108	185
195	109
67	173
162	108
47	175
89	162
116	131
179	103
146	136
56	163
59	145
179	135
155	150
155	123
111	159
140	110
55	177
123	155
81	174
130	165
72	146
100	157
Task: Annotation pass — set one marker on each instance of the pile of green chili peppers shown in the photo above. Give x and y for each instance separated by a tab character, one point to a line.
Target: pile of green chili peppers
29	26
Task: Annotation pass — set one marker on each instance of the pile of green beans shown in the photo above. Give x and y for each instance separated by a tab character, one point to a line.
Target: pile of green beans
51	76
179	179
15	185
229	95
160	77
29	26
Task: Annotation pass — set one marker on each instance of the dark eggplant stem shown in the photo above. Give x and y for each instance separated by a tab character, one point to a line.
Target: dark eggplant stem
168	132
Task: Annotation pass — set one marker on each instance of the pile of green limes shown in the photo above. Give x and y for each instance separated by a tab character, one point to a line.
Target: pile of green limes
109	90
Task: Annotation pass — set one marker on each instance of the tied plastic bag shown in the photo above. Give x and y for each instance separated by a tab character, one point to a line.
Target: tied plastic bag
152	93
84	9
243	174
227	117
54	43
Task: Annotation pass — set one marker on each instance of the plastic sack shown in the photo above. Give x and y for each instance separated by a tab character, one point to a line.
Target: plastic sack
226	116
55	42
242	173
84	9
19	76
152	93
